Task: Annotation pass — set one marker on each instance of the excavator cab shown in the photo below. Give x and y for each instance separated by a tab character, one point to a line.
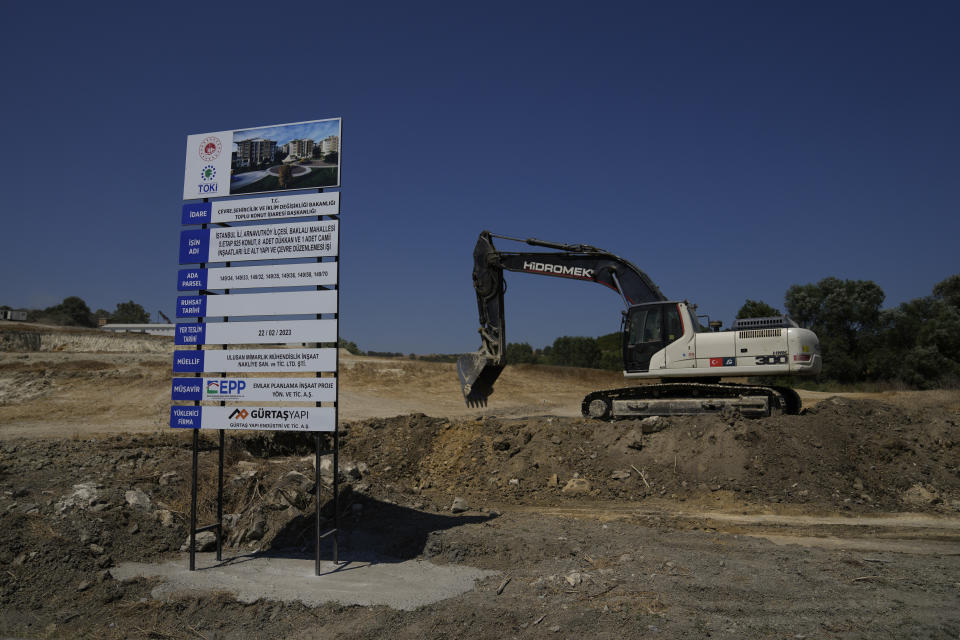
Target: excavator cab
647	329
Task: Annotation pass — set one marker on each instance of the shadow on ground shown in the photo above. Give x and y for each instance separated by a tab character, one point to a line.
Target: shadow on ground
382	532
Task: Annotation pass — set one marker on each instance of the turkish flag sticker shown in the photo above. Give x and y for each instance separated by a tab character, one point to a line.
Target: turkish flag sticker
716	362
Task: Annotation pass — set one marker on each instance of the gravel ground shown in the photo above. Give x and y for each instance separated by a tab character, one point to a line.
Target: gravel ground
787	527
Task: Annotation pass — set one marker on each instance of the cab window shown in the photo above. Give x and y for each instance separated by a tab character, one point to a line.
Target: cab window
645	326
674	324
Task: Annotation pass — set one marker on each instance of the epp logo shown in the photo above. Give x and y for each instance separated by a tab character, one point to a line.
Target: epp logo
225	387
239	413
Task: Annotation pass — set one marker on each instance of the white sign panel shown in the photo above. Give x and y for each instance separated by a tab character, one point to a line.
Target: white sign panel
207	169
273	275
255	389
266	418
273	332
256	209
260	360
260	242
258	304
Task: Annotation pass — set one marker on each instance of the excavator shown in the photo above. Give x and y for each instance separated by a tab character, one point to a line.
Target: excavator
662	340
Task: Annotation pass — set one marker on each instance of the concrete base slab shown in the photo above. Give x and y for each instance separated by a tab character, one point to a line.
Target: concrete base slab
404	585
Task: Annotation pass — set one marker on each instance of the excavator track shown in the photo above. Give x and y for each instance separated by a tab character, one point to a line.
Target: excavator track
690	398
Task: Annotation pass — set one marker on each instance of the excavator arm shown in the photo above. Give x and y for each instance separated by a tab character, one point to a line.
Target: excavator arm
479	370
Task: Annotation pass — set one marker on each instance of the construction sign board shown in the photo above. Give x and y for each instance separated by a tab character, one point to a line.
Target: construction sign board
295	238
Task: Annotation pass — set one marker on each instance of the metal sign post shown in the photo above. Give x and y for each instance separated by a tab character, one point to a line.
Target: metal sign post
335	531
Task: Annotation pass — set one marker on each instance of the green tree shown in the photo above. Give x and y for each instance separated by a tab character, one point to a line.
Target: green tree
756	309
350	346
949	290
73	311
576	351
129	312
611	351
845	315
919	341
520	353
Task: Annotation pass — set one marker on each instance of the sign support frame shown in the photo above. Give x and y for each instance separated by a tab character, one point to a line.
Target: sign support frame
335	531
194	489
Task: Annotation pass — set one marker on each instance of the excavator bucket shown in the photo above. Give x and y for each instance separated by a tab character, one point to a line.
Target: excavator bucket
477	372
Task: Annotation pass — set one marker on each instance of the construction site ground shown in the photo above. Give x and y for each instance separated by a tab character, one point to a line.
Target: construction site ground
516	520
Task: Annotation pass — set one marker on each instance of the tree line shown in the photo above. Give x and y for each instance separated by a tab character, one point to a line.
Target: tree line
74	312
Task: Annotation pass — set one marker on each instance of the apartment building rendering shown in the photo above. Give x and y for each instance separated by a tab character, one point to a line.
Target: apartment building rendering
254	151
330	144
298	149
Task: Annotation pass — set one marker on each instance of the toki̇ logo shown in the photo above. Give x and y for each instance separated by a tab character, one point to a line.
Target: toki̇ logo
210	148
239	413
208	175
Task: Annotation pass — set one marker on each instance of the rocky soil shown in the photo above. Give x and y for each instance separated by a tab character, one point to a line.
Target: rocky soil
582	519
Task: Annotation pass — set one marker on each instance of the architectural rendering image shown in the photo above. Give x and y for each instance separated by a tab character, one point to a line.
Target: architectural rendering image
292	156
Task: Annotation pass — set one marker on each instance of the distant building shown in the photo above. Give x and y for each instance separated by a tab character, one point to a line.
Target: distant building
300	148
13	315
255	151
154	329
330	144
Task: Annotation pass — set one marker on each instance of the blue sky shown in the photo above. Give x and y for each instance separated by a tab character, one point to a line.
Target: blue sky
728	149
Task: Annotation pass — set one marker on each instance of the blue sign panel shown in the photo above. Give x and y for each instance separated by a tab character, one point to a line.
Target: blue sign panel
185	417
193	333
187	389
194	245
196	213
189	279
191	307
188	361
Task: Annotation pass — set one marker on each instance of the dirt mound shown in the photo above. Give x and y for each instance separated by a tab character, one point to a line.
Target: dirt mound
850	454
